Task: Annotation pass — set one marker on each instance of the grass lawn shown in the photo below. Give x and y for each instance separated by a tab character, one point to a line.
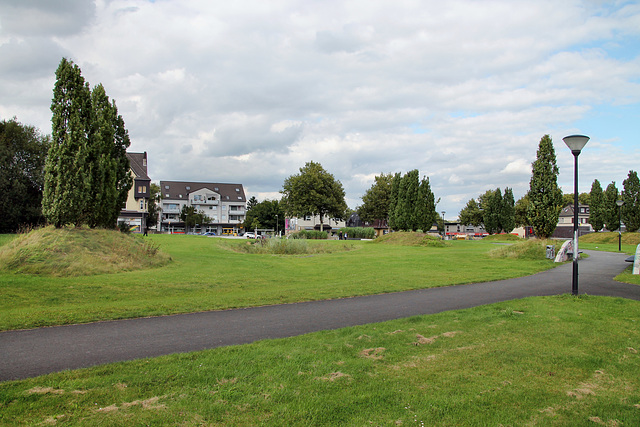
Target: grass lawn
206	274
538	361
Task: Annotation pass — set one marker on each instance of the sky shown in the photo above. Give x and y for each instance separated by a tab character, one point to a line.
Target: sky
249	91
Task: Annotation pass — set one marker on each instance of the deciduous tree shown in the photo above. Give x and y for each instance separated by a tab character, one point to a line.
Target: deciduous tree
314	191
471	214
377	199
22	156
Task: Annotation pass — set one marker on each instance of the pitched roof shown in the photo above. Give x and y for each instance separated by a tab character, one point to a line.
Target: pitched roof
138	164
182	189
567	211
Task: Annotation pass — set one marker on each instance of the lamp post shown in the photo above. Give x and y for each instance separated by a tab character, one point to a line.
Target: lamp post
575	143
277	225
619	203
444	226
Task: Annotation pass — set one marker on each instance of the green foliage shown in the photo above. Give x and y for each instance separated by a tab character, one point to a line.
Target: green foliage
313	191
491	205
309	234
251	202
358	232
155	197
413	204
67	184
520	211
596	206
377	199
545	197
23	152
87	171
471	214
631	199
508	211
192	217
610	214
265	214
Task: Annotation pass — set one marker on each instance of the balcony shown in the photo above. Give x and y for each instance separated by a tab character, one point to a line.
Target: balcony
204	202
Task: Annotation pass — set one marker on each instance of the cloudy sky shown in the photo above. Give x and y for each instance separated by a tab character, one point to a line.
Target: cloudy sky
248	91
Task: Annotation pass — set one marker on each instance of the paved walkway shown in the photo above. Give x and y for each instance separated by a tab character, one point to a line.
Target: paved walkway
40	351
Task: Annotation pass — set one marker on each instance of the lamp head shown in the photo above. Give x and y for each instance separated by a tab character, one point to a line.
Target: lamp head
619	203
576	143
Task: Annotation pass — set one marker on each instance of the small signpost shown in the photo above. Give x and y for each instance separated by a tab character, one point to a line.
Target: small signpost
636	261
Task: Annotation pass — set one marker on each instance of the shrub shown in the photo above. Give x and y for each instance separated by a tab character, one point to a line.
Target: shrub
528	249
309	234
359	232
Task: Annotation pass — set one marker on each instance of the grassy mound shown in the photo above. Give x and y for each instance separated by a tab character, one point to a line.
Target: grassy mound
78	252
411	239
611	237
531	249
503	238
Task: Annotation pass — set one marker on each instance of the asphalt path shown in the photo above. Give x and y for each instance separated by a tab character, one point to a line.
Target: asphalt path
33	352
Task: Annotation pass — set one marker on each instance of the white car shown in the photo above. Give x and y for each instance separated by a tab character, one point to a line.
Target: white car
250	235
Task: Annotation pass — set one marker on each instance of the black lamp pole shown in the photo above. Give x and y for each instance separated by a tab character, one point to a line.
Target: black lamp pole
575	143
620	203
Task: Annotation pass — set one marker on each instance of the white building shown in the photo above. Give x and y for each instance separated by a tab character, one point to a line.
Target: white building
224	206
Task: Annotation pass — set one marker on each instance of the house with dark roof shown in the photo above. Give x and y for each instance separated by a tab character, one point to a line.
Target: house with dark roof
136	208
564	228
223	204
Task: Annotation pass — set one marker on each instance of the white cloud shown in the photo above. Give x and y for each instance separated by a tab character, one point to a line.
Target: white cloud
249	91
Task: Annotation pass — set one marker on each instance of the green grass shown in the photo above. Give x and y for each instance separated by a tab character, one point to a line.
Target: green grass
78	252
608	242
538	361
206	274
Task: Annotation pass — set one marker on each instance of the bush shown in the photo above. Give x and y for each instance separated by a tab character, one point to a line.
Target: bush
358	232
528	249
289	247
309	234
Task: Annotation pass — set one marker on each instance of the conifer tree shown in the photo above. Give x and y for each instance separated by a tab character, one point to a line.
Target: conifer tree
545	197
491	204
67	184
596	205
393	201
508	211
631	199
410	205
426	206
610	208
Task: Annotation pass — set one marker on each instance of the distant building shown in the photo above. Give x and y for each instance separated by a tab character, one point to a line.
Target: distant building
224	206
564	229
136	208
310	222
456	230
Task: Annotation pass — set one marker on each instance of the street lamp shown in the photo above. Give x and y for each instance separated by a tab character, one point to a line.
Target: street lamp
444	226
575	143
277	225
619	203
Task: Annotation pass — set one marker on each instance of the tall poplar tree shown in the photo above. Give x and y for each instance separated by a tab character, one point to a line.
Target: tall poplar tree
596	206
508	211
411	207
393	201
426	206
631	199
610	214
67	184
545	197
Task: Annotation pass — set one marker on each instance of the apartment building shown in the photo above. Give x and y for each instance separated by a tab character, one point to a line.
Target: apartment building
224	206
136	208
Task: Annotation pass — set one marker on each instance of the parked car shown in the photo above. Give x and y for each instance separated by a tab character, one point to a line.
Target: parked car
209	233
250	235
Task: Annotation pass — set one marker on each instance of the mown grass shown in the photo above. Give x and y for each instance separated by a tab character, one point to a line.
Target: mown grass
205	275
608	242
539	361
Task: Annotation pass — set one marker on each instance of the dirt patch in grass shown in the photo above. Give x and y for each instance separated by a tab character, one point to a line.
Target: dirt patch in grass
79	252
411	239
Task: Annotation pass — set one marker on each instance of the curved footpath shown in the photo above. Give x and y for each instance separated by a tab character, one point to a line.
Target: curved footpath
29	353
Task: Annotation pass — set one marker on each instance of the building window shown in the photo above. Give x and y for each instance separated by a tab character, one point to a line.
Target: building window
307	218
239	198
188	188
166	187
167	195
